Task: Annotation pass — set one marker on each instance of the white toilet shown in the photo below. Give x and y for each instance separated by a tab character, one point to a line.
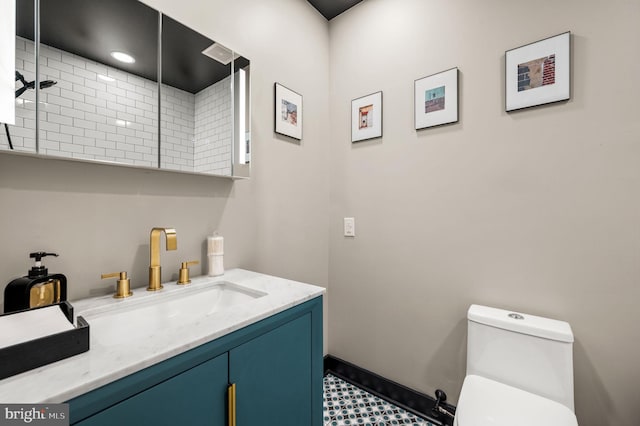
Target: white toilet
519	371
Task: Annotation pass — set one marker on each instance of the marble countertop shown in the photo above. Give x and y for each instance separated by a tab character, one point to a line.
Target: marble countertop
110	358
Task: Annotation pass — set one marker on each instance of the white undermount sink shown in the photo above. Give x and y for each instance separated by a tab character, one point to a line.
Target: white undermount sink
136	319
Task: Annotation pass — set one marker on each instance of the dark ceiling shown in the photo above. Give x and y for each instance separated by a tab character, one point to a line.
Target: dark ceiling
94	28
332	8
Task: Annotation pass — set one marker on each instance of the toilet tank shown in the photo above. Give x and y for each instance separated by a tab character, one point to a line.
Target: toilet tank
524	351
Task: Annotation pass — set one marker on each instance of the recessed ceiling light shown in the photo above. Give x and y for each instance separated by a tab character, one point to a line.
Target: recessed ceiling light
123	57
106	78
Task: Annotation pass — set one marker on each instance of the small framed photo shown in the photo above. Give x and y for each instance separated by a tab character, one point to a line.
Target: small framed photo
288	112
538	73
366	117
436	99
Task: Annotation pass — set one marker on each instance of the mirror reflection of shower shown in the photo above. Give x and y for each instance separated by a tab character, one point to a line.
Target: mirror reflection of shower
26	85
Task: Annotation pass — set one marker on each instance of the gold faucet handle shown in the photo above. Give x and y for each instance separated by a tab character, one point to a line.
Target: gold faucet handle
184	271
123	288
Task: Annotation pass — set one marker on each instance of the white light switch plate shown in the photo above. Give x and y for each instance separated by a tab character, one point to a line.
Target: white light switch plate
349	227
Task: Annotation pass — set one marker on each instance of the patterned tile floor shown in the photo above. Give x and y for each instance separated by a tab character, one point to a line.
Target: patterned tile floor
346	404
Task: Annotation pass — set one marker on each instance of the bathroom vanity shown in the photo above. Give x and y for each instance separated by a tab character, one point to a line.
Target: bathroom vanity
244	347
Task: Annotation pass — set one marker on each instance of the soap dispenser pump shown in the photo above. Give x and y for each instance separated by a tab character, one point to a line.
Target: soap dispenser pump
38	288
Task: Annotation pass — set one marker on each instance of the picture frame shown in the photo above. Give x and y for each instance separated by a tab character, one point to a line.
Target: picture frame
538	73
366	117
436	99
287	112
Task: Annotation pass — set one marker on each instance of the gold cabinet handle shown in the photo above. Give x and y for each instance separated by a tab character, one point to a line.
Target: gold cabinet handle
232	404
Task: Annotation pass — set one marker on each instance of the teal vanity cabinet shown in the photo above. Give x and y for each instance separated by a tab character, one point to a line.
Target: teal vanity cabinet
275	365
194	397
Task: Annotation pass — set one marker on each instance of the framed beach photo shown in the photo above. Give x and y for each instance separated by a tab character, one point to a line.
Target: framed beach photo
436	99
288	112
366	117
538	73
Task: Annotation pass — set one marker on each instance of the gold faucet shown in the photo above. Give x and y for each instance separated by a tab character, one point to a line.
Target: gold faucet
155	274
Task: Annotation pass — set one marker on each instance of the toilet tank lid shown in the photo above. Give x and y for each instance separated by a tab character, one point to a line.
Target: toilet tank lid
521	323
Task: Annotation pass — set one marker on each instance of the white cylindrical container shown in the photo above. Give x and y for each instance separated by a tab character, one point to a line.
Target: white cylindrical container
216	265
215	245
215	252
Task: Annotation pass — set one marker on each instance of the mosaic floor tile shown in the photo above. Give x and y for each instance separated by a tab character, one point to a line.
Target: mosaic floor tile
346	405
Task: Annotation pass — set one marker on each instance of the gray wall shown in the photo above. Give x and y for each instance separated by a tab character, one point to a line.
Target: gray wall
99	217
535	211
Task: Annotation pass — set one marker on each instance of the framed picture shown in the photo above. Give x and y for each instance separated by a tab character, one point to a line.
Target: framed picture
366	117
436	99
288	112
538	73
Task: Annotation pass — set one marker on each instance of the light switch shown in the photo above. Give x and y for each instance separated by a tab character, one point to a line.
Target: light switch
349	227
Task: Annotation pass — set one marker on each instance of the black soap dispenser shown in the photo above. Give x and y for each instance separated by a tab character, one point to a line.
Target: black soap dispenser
38	288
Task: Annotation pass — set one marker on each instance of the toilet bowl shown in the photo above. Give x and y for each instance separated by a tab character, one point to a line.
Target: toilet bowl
519	371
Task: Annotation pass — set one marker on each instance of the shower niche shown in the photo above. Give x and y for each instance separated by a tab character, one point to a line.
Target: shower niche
121	83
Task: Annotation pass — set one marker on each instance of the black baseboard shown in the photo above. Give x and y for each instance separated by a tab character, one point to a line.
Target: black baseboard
405	398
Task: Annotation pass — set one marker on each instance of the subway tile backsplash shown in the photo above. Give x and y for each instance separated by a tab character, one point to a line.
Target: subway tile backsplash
97	112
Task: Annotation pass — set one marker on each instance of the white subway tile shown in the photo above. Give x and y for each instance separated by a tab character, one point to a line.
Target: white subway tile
109	97
50	107
125	86
47	73
83	141
95	134
87	91
74	60
70	147
135	80
146	92
109	113
125	146
89	75
114	153
49	52
99	103
123	115
71	95
59	65
116	91
134	96
99	86
71	78
115	137
123	100
71	112
49	145
126	132
81	106
25	56
96	118
95	151
107	128
84	124
60	119
97	68
107	144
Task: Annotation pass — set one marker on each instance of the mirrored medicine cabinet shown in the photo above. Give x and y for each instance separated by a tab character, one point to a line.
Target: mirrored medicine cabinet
121	83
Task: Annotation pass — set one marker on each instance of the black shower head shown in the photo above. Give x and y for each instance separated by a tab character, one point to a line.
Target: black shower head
26	85
47	83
